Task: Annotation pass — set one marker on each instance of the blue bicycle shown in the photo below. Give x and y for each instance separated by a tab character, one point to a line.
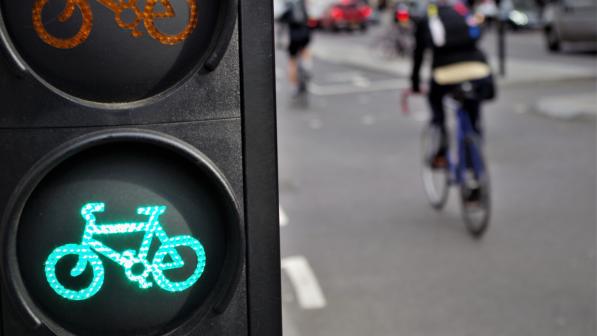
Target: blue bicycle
466	167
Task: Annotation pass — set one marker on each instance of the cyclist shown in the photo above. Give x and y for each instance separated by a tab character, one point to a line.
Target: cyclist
452	33
296	17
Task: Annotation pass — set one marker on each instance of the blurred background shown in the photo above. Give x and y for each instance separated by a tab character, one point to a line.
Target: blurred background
363	253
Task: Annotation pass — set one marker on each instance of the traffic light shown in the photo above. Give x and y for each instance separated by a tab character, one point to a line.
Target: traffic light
138	188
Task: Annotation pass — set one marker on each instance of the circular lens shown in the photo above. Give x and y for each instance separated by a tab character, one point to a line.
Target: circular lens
126	232
113	51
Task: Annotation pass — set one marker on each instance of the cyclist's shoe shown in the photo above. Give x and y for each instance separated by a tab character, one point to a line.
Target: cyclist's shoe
439	160
299	93
302	88
472	196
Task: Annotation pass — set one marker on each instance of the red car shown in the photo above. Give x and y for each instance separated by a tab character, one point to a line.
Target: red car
348	14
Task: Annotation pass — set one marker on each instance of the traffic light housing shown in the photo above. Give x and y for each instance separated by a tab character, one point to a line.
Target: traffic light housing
139	188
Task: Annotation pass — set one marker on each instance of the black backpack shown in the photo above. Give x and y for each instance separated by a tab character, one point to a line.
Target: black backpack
458	24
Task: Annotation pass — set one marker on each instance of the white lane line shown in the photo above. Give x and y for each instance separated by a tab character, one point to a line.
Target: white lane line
283	217
342	76
360	81
305	283
342	89
288	325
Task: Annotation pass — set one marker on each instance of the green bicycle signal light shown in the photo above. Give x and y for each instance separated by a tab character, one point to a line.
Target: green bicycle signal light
89	249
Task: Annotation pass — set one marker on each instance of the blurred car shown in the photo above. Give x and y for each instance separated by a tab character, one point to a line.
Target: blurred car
524	14
347	14
570	21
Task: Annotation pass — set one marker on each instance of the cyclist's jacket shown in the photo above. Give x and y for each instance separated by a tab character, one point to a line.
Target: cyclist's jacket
451	32
295	13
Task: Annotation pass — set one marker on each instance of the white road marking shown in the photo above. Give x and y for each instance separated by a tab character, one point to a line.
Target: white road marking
288	324
283	217
342	76
306	287
360	81
342	89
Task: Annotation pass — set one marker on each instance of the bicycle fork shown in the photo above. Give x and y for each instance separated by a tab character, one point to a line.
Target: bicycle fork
468	153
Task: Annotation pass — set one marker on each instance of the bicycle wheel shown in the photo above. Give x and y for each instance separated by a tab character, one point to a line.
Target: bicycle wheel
168	39
86	257
169	248
303	78
68	12
475	191
435	180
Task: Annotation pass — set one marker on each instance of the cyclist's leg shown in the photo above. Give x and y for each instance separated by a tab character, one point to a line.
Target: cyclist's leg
293	54
436	101
306	60
438	121
305	53
473	152
292	69
473	108
298	52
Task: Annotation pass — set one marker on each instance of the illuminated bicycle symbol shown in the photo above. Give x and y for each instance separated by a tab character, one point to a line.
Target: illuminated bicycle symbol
136	266
121	8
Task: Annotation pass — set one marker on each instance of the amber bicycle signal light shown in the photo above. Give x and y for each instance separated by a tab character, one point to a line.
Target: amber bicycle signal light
148	16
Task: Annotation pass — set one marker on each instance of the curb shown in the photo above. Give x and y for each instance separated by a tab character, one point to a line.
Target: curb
526	72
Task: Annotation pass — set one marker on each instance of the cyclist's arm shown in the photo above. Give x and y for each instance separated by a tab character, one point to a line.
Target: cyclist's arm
419	52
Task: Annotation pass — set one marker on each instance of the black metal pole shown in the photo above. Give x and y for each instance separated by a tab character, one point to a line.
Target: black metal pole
501	47
260	167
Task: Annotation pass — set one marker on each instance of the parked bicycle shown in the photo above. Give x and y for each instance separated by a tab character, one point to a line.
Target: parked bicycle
466	167
154	9
136	266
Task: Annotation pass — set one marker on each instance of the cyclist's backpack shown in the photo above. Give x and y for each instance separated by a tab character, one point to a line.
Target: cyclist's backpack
297	12
452	26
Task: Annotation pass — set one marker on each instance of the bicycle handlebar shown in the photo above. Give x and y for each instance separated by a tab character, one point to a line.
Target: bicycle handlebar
405	94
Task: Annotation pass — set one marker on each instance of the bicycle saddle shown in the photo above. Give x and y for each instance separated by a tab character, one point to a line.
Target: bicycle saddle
464	91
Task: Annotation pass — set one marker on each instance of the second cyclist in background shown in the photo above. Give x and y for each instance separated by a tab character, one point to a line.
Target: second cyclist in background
299	63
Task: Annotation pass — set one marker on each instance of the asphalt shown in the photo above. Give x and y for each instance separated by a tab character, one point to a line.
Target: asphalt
385	262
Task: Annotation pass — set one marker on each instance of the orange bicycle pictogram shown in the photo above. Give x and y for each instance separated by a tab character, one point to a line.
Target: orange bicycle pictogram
154	9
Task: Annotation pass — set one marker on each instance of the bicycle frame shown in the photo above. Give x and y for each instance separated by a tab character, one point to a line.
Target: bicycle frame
457	167
128	258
